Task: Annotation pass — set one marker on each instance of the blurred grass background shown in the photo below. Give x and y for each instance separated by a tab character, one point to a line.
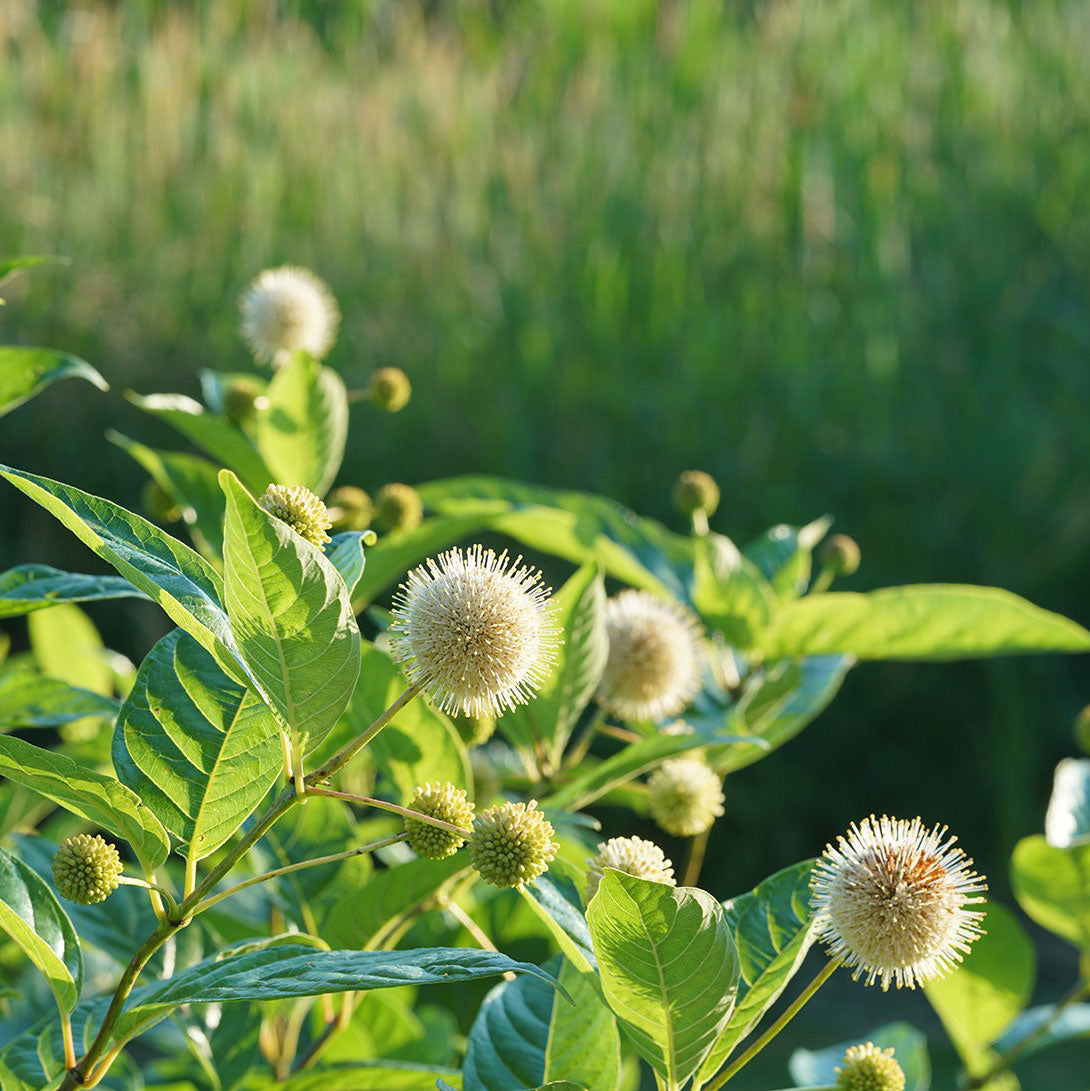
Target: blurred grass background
837	254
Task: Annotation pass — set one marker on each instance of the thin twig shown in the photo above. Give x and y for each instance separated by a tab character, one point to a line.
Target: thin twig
698	846
395	808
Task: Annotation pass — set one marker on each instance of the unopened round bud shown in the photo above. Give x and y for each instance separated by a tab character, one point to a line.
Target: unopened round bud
242	398
350	508
86	869
1082	730
868	1068
512	844
686	796
300	509
158	504
398	508
840	554
475	730
696	491
447	803
390	389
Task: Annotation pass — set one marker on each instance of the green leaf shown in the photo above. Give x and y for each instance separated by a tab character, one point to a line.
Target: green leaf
182	582
214	434
374	1076
11	266
291	616
302	433
550	718
556	903
345	553
1041	1028
526	1033
66	646
669	969
909	1049
784	556
30	587
773	930
1052	886
93	796
925	621
291	970
28	699
729	593
980	999
198	749
25	372
1067	821
32	916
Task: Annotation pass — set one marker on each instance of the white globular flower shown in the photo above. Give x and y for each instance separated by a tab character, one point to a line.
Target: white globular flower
655	666
685	796
475	630
288	310
633	856
892	901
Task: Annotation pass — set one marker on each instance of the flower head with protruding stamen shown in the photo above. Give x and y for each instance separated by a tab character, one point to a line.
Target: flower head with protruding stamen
512	844
287	310
300	509
86	869
474	630
686	796
443	801
891	901
655	665
633	856
868	1068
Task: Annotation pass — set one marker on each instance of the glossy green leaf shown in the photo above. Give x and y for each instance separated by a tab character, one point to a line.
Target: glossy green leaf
290	615
214	385
25	372
66	645
215	435
812	1067
773	930
669	969
926	621
1042	1027
93	796
32	916
374	1076
11	266
29	699
1052	886
1067	821
729	592
345	553
197	748
784	556
292	970
30	587
302	433
556	902
981	998
182	582
526	1033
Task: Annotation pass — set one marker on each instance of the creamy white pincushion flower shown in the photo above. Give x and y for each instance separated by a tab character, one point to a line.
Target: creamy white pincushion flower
633	856
287	310
891	901
655	665
685	796
474	630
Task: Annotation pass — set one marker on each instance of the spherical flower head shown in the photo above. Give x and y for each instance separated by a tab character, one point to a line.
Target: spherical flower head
86	869
242	399
475	730
696	491
443	801
475	630
398	508
891	901
158	504
840	554
633	856
868	1068
350	508
655	665
686	796
300	509
288	310
512	844
390	389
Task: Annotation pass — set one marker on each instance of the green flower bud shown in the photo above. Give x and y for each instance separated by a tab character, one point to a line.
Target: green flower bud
868	1068
390	389
350	508
445	802
686	796
512	844
300	509
475	730
1082	730
398	508
158	504
840	554
86	869
696	491
241	399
